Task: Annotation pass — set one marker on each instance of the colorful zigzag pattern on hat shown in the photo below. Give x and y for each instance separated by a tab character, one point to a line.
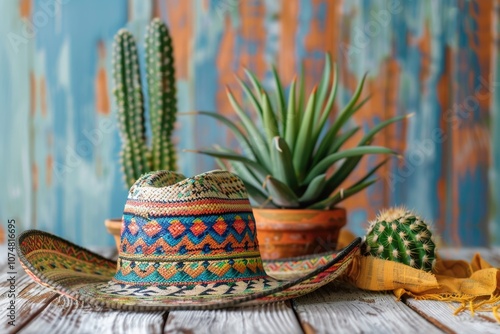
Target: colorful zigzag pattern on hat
193	231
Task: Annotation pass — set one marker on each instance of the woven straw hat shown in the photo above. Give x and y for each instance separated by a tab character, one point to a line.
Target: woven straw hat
186	243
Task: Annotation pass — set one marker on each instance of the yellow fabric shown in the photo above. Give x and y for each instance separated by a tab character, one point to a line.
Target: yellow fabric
476	285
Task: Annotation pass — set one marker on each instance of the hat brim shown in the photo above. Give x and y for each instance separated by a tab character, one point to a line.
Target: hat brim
86	276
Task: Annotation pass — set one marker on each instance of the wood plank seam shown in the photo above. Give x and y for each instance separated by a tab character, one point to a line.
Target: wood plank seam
305	330
431	320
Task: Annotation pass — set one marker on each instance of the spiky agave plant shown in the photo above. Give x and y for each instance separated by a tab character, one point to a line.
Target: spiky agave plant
287	164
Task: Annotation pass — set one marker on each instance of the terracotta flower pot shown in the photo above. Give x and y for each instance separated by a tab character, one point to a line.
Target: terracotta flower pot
285	233
114	227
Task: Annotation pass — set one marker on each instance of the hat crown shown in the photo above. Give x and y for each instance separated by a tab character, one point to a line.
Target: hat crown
195	230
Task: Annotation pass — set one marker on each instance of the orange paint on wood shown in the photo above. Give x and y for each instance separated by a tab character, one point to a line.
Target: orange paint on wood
322	37
390	136
49	163
101	83
32	93
332	28
25	7
286	56
313	71
440	223
180	21
156	8
471	148
484	49
448	158
34	175
253	32
43	96
393	135
349	81
470	136
454	188
225	72
444	100
470	131
479	136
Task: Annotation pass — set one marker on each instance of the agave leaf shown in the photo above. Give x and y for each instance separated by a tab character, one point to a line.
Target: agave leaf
366	177
241	170
258	143
304	146
280	96
371	172
281	194
337	143
253	100
240	136
352	191
323	87
342	139
259	170
257	196
329	104
377	128
340	196
270	123
347	112
361	104
283	163
350	164
325	146
302	91
220	164
327	162
254	81
291	118
313	190
342	118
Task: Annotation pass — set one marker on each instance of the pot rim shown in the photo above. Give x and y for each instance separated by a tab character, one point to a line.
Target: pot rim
306	211
300	219
113	225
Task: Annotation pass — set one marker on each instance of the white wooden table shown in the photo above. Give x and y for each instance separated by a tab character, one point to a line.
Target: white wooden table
336	308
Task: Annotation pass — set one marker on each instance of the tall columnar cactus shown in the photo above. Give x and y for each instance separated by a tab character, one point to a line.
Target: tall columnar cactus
401	236
162	98
136	157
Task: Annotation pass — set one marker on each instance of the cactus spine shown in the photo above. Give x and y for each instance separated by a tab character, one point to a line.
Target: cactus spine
136	157
401	236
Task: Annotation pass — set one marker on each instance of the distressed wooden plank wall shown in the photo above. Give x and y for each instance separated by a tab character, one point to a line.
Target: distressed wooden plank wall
437	59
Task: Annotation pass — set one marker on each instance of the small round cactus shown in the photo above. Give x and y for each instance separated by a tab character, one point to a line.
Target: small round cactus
400	235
